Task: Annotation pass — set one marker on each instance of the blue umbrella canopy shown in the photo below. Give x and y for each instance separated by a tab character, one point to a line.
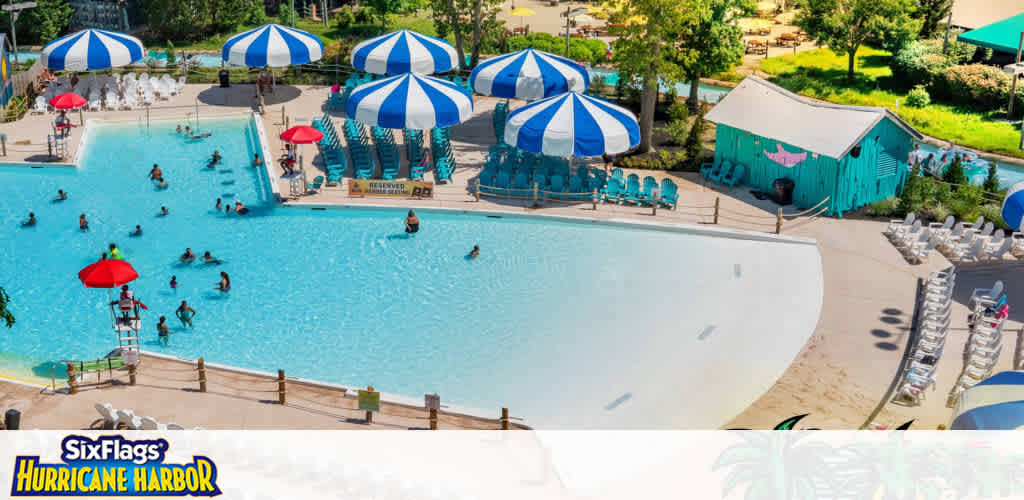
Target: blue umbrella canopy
272	45
528	74
404	51
572	124
996	403
1013	206
410	101
92	49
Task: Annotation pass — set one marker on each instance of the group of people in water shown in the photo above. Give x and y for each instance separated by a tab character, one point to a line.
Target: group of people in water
191	135
412	226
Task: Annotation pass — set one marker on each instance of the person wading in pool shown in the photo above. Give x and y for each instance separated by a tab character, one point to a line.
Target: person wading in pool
412	223
163	330
31	221
185	314
240	208
137	232
188	256
224	285
115	253
82	223
215	158
61	195
209	259
475	252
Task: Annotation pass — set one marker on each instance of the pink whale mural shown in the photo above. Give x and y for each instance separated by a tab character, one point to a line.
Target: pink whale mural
785	158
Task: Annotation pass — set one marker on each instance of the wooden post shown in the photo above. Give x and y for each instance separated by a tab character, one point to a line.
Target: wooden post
72	383
778	222
369	418
654	205
504	419
534	191
286	120
594	199
3	143
433	419
716	209
131	374
282	114
476	190
280	386
201	366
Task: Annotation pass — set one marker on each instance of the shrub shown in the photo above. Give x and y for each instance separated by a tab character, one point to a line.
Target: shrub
885	208
918	62
992	179
694	147
256	13
677	131
591	51
977	85
954	173
939	212
344	18
678	110
993	212
918	97
362	15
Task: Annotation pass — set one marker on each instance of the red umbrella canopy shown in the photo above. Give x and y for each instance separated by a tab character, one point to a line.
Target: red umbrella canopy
110	273
68	100
301	134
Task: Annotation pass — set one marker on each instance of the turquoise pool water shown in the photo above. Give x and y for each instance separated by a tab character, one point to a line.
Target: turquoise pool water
1007	173
572	325
708	93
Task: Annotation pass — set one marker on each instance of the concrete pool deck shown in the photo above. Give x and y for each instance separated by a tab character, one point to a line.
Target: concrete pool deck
839	377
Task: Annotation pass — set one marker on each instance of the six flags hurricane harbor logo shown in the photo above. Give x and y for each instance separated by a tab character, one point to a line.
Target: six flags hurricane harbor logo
113	466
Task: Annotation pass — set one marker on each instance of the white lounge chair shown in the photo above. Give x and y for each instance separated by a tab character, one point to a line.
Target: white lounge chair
920	254
998	253
973	227
905	238
150	424
897	225
128	418
171	426
987	296
974	253
40	105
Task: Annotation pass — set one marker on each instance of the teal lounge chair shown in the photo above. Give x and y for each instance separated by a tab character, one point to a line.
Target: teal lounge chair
669	193
521	182
576	189
632	193
557	186
724	171
707	167
315	185
732	178
613	191
647	194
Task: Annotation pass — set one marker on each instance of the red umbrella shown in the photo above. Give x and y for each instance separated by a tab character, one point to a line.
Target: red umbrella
110	273
68	100
301	134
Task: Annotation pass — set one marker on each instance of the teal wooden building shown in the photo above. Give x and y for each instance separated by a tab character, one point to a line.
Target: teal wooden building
855	155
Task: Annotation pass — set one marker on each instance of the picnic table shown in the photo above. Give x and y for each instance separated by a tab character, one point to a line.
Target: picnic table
757	47
787	40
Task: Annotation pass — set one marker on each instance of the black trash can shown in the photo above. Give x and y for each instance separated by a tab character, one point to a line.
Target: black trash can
224	81
12	420
783	191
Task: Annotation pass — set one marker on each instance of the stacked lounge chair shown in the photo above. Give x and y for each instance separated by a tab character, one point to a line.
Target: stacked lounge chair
414	151
114	418
387	152
331	149
989	311
443	156
932	327
358	149
500	116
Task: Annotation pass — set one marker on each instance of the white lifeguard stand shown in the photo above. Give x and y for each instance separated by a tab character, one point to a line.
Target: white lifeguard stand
126	320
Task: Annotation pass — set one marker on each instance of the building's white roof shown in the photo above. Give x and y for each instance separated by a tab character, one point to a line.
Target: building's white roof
765	109
973	14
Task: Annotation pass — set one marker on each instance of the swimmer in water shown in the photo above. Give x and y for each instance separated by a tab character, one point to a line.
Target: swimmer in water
412	223
218	205
199	136
256	160
31	221
214	159
188	256
61	195
114	252
163	331
209	259
137	231
163	211
224	285
179	129
174	282
185	314
240	208
82	223
475	252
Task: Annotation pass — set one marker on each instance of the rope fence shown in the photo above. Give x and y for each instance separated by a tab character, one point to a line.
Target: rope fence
296	392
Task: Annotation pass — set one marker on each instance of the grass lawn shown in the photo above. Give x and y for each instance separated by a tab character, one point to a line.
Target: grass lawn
822	74
422	24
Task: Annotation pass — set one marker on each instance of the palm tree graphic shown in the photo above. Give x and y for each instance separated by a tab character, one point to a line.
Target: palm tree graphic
977	469
897	469
776	466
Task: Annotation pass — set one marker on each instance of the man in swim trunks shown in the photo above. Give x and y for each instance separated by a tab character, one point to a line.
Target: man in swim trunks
475	252
256	160
155	174
188	256
82	223
412	223
61	195
31	221
137	231
185	314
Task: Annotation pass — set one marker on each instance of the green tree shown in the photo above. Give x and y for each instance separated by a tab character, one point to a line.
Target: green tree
5	311
694	147
991	180
645	49
383	8
41	24
955	172
714	42
931	13
228	15
447	16
846	25
174	19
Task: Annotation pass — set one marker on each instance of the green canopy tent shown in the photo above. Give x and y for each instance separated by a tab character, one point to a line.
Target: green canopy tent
1003	36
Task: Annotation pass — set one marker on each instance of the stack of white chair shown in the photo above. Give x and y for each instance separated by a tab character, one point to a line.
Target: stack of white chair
181	84
113	418
985	325
40	105
95	102
932	327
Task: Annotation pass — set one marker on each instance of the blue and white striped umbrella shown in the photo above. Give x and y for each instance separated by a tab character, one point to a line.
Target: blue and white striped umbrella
272	45
92	49
404	51
528	74
572	124
410	101
1013	206
996	403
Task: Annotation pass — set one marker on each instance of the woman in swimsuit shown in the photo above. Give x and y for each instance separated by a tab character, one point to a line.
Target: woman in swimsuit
412	223
225	283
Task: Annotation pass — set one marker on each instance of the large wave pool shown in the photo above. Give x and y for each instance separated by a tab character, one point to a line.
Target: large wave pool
572	325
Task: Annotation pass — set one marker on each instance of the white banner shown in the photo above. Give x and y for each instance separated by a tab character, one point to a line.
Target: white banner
519	465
